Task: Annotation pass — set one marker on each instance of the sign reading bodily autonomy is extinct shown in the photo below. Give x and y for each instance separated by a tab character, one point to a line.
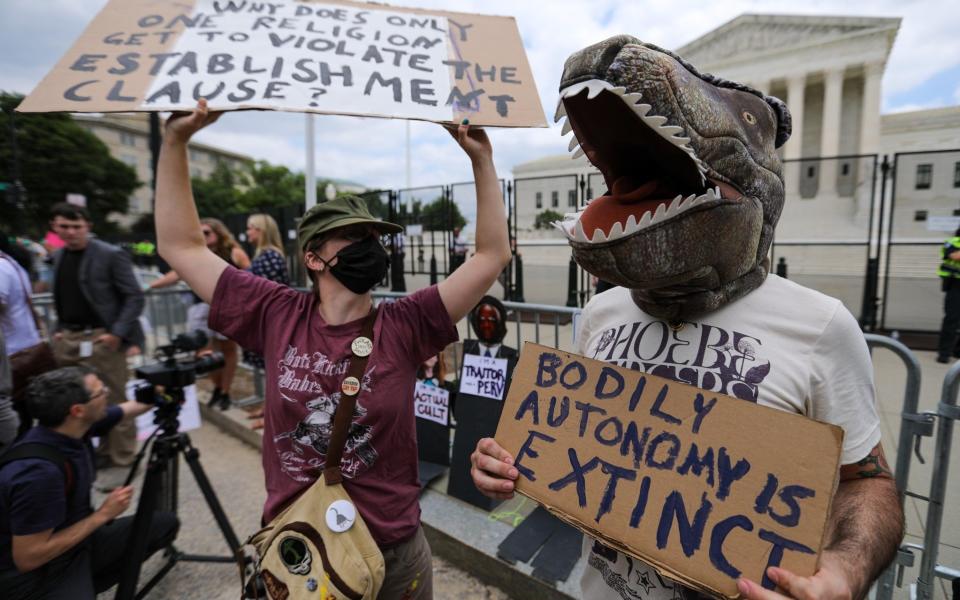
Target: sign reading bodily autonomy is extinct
343	57
704	487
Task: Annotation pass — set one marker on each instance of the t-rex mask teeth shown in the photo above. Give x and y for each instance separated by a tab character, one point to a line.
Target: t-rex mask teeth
694	178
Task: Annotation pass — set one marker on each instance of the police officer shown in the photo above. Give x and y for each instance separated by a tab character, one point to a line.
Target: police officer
949	273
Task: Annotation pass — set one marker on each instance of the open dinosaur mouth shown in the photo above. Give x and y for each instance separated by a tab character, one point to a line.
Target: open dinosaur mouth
652	173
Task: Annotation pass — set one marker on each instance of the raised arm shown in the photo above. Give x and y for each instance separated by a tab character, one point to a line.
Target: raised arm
464	287
865	529
169	278
179	240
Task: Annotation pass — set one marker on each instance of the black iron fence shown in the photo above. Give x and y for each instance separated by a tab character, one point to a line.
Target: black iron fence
862	228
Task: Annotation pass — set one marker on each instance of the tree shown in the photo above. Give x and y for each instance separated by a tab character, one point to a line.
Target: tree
441	215
546	218
218	194
57	157
274	185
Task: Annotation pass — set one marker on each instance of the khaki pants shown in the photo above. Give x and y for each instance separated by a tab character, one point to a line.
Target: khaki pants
409	572
121	443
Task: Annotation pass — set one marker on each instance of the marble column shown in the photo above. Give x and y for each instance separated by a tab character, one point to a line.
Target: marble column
870	120
793	149
830	130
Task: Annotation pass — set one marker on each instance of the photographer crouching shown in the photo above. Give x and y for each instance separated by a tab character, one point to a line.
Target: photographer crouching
53	544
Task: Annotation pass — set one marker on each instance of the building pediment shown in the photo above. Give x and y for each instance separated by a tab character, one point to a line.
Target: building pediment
749	36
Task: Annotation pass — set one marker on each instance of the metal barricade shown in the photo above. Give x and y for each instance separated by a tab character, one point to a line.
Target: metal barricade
166	314
527	321
914	426
947	413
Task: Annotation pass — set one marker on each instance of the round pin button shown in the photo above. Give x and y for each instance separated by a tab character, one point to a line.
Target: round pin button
362	346
350	386
340	516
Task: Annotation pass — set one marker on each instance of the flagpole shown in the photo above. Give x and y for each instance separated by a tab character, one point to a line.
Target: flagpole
311	179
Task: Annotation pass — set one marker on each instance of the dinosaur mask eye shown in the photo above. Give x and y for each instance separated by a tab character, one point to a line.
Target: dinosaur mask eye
749	118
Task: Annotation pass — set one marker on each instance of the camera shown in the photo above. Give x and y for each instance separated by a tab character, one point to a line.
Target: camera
173	373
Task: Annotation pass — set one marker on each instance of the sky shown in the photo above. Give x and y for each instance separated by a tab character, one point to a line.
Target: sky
923	72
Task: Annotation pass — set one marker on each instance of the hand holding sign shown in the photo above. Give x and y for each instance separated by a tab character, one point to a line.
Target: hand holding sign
829	583
182	125
492	470
473	140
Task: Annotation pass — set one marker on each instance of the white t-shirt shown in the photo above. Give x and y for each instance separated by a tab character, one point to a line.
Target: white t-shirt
16	320
782	345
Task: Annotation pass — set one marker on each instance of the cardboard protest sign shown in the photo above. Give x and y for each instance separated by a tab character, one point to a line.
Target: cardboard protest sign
483	376
431	403
343	57
702	486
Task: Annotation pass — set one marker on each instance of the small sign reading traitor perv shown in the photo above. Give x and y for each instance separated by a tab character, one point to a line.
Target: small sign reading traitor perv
483	376
702	486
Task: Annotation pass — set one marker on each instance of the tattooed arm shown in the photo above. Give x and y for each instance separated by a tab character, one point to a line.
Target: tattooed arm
864	531
866	524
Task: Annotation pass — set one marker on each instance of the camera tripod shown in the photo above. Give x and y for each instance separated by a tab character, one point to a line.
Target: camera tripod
159	492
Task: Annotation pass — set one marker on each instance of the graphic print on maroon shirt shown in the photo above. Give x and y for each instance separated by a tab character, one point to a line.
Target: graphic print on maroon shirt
314	430
306	360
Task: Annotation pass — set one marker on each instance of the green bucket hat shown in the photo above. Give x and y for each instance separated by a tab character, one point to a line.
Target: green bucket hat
343	211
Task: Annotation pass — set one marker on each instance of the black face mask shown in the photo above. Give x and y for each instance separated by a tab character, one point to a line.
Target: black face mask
361	265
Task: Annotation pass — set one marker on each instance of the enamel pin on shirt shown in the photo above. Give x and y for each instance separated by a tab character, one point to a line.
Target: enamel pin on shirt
350	386
340	515
362	346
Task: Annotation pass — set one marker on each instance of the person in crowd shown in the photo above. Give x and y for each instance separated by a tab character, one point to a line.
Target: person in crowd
949	273
221	242
433	371
53	545
307	340
11	246
19	329
9	419
458	249
269	262
98	302
807	352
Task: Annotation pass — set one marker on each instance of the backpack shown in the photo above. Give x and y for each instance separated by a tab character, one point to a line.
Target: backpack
45	452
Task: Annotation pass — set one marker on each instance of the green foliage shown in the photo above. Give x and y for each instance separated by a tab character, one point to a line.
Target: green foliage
374	202
545	218
58	156
218	194
273	185
439	215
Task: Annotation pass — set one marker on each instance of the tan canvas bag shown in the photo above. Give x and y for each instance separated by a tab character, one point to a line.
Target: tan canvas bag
319	546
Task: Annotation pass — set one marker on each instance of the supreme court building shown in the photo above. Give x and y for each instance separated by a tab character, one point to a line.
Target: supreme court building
829	71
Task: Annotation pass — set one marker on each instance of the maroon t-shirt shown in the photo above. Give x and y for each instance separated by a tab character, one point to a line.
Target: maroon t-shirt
306	360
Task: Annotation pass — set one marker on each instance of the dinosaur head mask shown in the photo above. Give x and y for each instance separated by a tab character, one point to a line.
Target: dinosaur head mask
689	159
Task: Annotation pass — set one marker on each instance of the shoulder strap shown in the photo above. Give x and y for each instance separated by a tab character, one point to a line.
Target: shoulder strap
44	452
343	418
